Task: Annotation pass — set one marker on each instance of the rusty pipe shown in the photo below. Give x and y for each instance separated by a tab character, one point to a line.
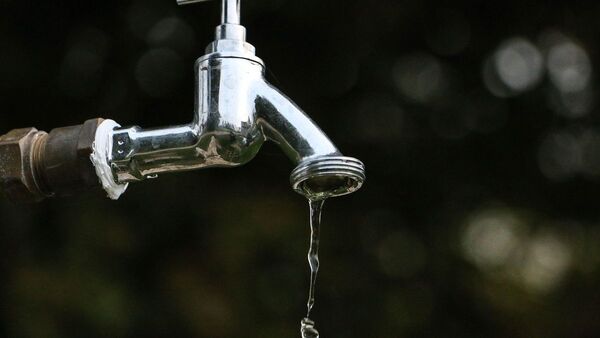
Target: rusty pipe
35	165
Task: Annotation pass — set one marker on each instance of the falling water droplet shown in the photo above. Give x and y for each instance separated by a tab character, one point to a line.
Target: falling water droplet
307	329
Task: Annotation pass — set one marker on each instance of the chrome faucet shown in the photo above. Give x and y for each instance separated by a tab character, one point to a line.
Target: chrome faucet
236	110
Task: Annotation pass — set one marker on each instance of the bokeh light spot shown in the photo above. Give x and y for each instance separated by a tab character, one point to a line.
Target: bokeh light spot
546	261
159	72
420	77
515	67
491	237
569	67
172	32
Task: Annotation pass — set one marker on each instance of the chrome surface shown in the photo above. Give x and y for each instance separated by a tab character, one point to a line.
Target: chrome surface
231	12
328	176
236	110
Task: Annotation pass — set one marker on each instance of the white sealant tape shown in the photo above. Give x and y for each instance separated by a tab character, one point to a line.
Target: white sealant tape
102	148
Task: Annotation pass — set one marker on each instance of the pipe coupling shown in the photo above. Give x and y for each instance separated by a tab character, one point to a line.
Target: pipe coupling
35	165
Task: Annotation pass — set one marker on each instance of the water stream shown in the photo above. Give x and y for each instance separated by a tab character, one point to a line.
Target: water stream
307	328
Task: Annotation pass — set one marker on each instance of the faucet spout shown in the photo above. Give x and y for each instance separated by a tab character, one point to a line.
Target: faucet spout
321	169
285	124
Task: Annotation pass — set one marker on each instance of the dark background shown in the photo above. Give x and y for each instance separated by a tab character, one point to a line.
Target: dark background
477	120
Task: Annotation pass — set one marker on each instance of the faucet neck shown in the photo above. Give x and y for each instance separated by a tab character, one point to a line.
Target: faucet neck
230	12
230	28
229	31
230	36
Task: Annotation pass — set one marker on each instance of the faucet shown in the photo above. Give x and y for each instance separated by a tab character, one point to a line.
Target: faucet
236	111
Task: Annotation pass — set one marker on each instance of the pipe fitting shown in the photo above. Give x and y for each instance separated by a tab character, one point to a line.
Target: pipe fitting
35	165
328	176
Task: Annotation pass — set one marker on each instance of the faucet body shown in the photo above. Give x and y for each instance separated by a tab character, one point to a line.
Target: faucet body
236	111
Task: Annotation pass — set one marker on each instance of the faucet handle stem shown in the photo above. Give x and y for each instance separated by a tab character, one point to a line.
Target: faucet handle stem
230	12
187	2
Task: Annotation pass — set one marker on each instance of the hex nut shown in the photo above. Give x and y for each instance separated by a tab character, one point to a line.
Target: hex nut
35	164
17	149
66	167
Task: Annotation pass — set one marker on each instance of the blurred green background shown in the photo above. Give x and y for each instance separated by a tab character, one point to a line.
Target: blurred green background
477	120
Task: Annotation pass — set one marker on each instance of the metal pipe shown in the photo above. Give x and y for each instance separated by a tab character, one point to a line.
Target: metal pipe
35	165
230	13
